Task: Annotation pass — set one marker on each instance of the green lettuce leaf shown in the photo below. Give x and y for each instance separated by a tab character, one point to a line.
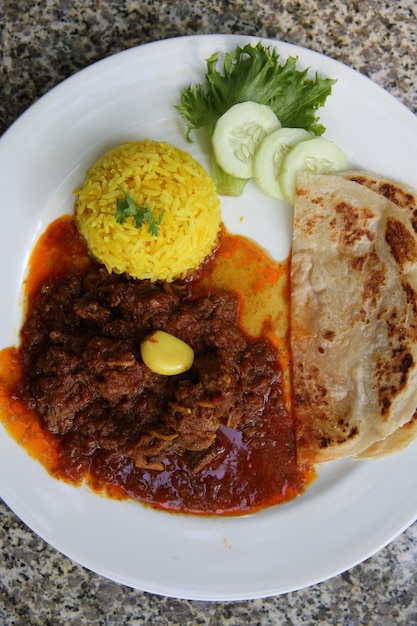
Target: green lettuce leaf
254	73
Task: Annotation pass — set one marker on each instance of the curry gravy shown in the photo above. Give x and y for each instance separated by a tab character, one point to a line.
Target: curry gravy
257	466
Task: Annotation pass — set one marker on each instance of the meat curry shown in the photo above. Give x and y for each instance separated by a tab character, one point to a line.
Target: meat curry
216	439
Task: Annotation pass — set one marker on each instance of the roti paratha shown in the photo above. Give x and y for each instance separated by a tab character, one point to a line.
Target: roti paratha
405	197
353	317
400	439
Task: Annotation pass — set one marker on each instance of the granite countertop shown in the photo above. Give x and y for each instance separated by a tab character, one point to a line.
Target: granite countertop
44	42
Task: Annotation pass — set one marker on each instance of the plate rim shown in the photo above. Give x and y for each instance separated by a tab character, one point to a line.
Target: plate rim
19	507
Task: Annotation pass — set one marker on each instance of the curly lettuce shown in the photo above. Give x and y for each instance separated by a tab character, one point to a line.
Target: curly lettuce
253	73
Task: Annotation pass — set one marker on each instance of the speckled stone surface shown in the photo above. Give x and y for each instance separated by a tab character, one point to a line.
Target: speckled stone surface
43	42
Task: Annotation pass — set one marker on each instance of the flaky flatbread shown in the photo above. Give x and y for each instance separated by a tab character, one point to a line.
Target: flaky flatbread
399	440
353	317
405	197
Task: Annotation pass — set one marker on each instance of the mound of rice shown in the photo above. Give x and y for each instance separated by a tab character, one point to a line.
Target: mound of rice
167	179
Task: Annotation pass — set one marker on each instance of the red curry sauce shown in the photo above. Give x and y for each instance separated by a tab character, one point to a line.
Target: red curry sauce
254	471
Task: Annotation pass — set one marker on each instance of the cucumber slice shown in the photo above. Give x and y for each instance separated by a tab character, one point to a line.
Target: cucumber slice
270	155
226	185
320	156
238	133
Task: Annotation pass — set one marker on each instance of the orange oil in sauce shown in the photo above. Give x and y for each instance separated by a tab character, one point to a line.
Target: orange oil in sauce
248	479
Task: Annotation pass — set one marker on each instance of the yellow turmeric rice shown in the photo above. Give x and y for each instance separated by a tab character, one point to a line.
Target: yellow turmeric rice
168	181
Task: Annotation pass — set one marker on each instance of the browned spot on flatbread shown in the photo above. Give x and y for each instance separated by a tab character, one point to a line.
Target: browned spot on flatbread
350	433
401	242
354	223
373	286
300	192
372	279
317	200
400	363
392	190
411	298
389	189
401	198
311	224
358	263
362	180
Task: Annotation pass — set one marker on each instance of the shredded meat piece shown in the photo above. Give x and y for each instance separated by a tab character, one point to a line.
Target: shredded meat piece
85	376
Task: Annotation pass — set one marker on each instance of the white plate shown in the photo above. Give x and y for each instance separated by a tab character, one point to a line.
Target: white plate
353	508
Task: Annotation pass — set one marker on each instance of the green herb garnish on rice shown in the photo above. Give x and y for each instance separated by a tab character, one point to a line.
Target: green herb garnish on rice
158	181
127	207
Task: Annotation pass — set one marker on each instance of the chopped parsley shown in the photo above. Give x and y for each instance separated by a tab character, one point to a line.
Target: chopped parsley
127	207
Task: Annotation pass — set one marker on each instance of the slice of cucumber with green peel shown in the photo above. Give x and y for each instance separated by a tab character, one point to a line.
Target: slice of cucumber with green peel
319	156
270	155
238	133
